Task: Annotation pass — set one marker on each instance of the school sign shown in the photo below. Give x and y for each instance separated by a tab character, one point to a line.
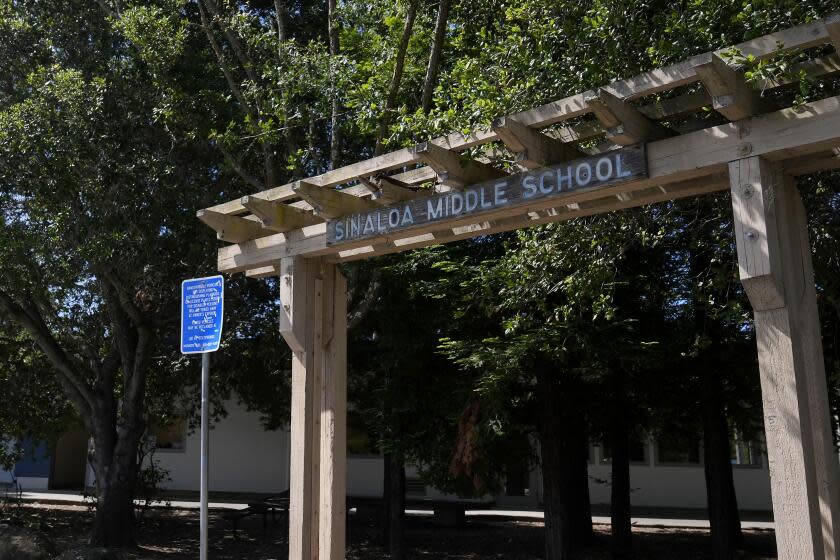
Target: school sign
512	191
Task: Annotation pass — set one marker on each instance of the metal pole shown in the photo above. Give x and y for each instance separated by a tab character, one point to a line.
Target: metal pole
205	448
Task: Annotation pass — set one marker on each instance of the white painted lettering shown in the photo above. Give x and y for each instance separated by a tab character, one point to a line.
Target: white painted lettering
355	226
583	174
603	169
499	194
472	200
407	217
567	178
529	183
545	189
434	212
339	230
618	167
484	203
380	227
368	225
394	217
457	200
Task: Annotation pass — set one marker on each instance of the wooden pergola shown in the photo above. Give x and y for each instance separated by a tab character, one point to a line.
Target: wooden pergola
683	130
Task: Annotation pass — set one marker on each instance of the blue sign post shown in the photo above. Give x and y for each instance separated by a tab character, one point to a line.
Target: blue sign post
202	311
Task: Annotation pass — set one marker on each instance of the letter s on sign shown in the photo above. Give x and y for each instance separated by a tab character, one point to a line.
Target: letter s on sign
529	184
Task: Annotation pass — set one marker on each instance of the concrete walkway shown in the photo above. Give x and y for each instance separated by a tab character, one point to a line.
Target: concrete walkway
651	518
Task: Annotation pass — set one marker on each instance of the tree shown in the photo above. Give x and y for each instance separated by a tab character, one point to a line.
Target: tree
104	159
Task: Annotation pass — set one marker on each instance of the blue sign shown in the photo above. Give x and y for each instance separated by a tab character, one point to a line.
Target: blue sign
202	308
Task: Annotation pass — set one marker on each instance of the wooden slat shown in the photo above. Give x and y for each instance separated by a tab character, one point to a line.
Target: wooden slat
832	26
232	229
451	170
278	216
532	148
815	163
732	97
387	190
263	272
647	83
782	135
624	123
330	203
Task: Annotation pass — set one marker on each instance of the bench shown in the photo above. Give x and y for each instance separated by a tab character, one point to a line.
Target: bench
447	512
270	505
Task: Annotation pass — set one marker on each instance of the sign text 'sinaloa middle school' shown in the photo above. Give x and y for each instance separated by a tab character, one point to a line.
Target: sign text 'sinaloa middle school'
520	189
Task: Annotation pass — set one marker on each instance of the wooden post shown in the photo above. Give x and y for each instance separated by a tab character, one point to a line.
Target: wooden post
313	323
774	260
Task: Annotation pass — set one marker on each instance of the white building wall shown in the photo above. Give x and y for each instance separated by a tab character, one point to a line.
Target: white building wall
244	457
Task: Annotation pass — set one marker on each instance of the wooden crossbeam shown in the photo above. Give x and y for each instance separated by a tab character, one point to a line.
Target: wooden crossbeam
832	26
330	203
232	229
277	216
451	171
624	123
660	79
532	148
783	135
387	190
732	96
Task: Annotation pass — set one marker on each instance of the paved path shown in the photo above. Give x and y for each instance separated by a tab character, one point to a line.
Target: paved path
521	515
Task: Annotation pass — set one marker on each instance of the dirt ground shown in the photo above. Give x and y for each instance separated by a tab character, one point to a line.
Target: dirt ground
173	535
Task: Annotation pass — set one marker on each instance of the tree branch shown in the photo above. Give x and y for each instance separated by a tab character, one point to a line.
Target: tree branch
27	316
237	167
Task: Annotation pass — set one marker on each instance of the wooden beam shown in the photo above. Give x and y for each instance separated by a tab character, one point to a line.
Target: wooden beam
732	96
832	26
532	148
802	37
815	163
333	393
782	135
263	272
232	229
278	216
450	169
774	263
624	123
305	432
330	203
387	190
652	195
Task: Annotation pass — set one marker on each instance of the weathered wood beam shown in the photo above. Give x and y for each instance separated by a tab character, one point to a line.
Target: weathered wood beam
624	123
804	36
815	163
532	148
732	96
263	272
450	169
694	187
782	135
278	216
387	190
232	229
832	26
330	203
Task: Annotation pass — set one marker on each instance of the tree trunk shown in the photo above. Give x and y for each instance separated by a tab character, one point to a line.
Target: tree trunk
724	518
394	507
396	77
619	440
568	521
434	56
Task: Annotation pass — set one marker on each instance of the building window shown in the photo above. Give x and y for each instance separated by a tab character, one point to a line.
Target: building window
638	452
359	440
171	435
677	450
744	453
